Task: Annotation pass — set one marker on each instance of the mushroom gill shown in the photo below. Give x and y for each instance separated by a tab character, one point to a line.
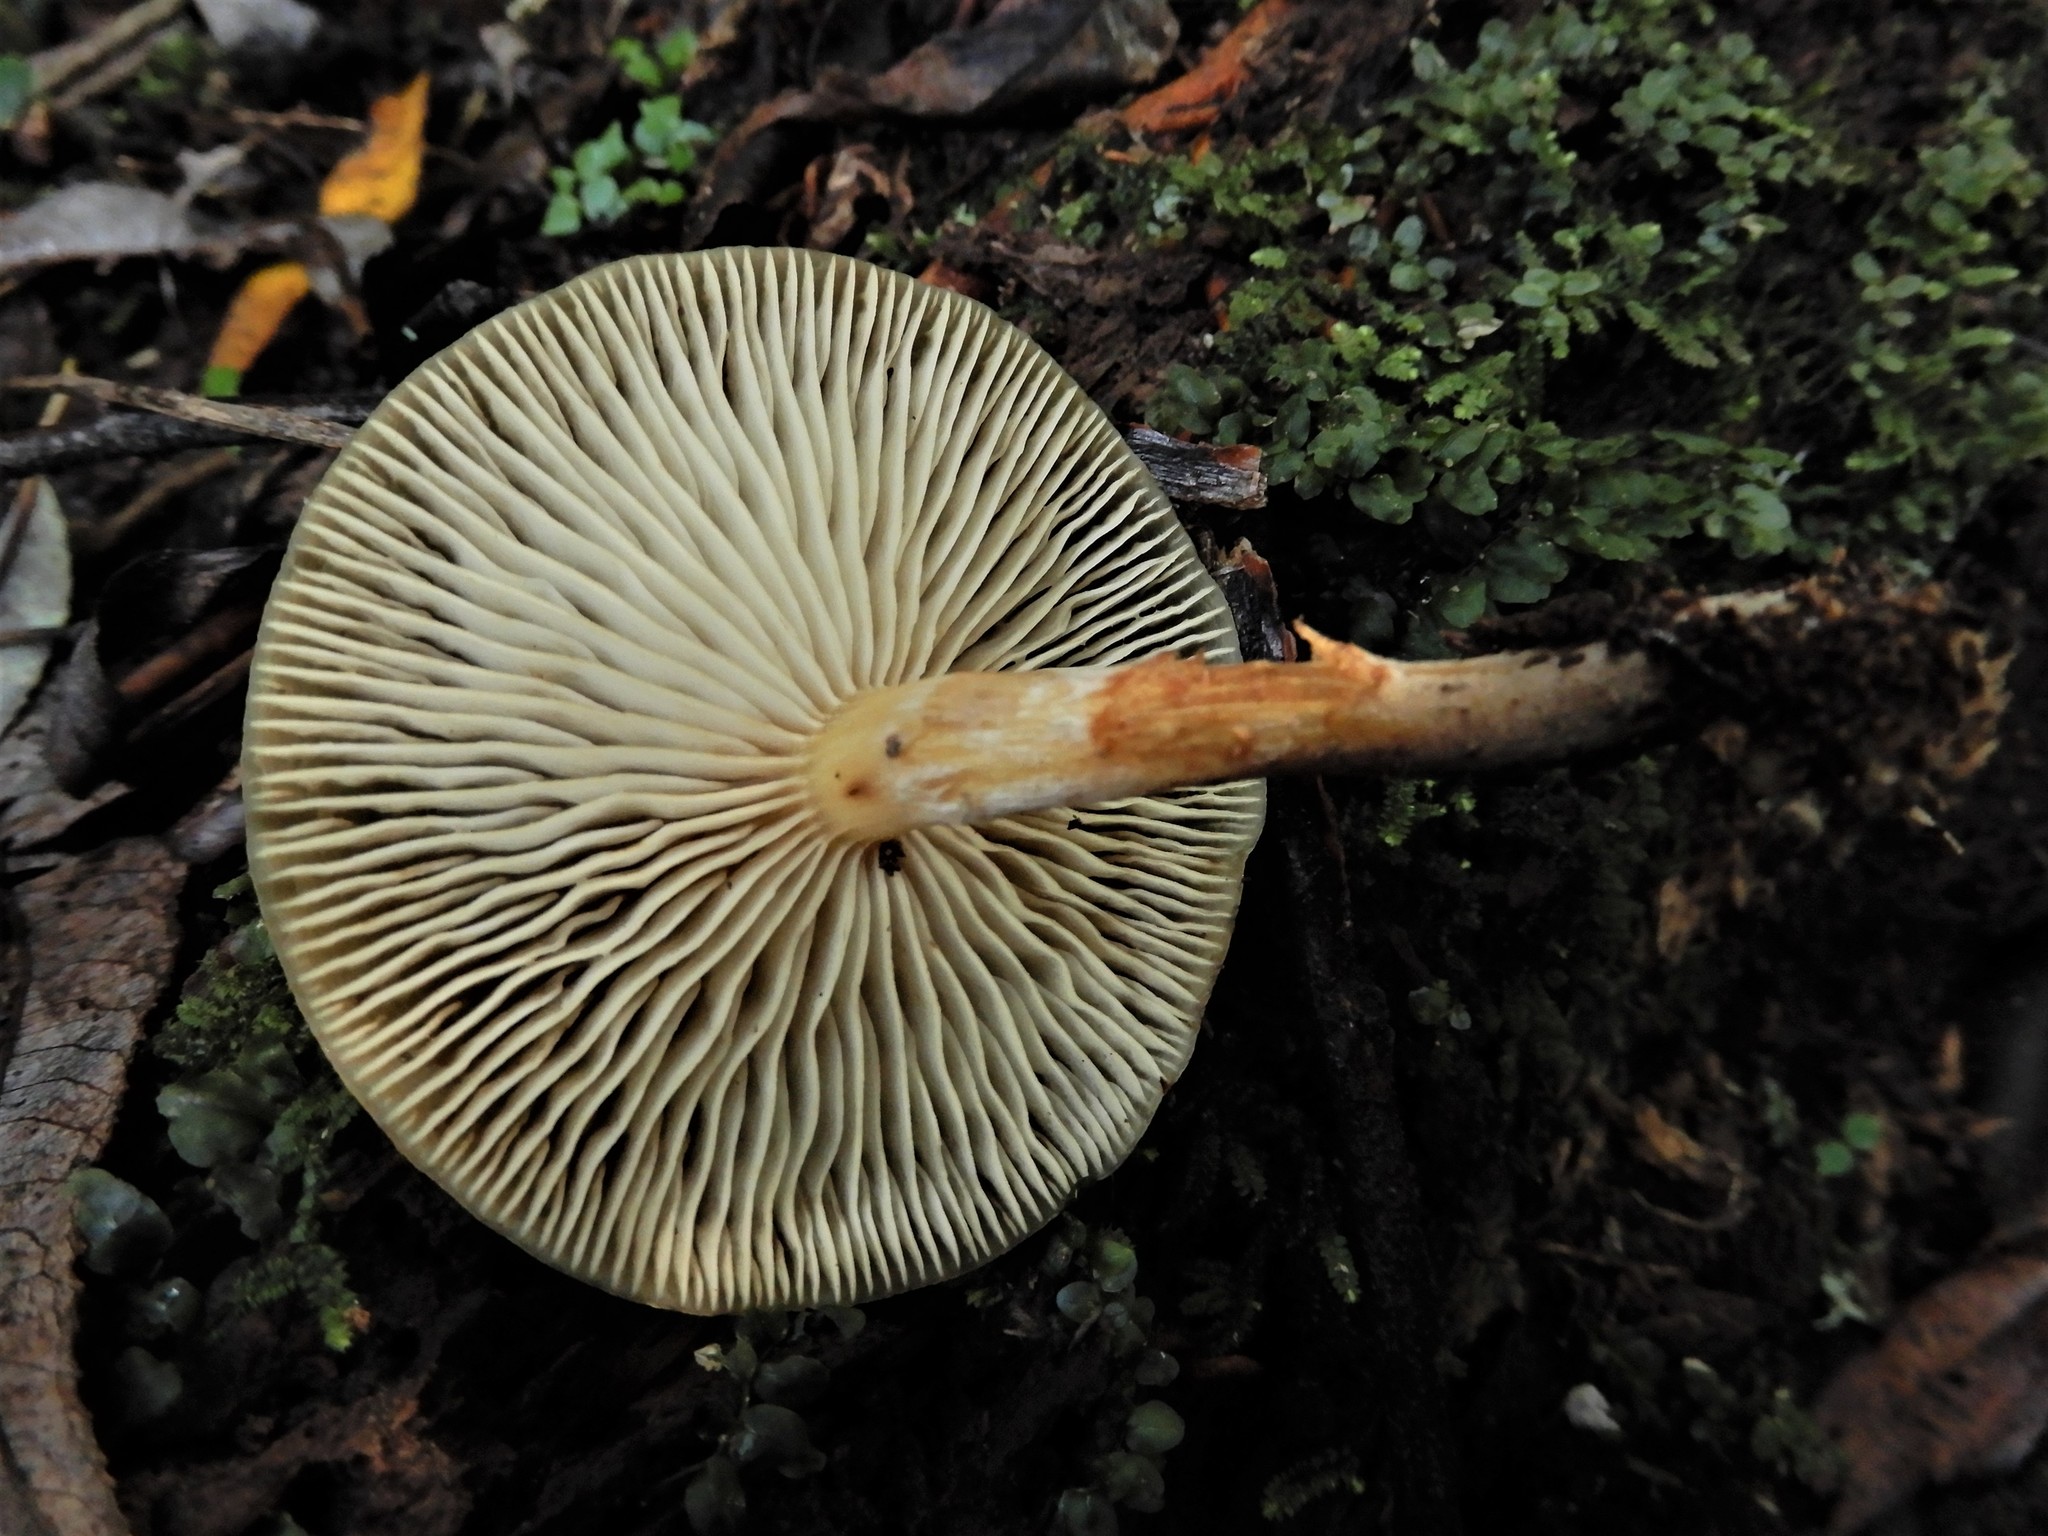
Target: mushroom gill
529	773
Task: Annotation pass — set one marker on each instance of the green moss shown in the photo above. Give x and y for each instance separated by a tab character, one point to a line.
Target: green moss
257	1106
1608	290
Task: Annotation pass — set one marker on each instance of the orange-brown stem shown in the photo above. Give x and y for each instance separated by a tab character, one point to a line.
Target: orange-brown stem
971	746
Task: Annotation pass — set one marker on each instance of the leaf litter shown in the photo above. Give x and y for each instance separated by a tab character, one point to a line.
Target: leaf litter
1671	1226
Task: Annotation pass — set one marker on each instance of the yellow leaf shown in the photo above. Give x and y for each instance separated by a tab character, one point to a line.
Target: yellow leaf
383	177
379	181
252	319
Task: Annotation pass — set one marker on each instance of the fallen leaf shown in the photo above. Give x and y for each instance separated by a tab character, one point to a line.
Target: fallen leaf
254	316
98	221
1957	1388
832	193
1666	1146
214	827
34	594
102	930
382	179
368	191
938	275
1198	97
166	626
34	812
259	26
1027	48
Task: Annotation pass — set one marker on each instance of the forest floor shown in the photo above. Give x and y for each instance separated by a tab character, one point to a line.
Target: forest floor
1715	1068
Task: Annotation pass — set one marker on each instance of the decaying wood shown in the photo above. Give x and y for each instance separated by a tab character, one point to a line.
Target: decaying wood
1202	474
99	934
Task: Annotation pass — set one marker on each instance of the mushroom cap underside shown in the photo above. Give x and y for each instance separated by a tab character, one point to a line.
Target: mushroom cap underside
527	810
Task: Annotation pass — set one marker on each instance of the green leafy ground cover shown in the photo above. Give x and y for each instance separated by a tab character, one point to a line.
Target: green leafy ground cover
1608	287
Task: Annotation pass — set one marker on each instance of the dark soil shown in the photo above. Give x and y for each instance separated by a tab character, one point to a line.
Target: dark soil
1734	916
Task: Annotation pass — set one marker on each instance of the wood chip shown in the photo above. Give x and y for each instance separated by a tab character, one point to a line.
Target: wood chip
1202	474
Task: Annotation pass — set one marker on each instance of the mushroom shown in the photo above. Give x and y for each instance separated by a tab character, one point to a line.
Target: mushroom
663	752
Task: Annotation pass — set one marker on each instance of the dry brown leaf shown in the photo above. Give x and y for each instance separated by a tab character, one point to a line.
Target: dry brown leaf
101	929
1958	1387
1678	918
835	184
1197	97
1666	1146
939	275
1029	48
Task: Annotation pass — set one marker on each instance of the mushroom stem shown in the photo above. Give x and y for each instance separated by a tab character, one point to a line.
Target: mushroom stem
970	746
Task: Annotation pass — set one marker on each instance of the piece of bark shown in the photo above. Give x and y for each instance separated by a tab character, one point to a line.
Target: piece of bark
100	934
1201	474
1958	1387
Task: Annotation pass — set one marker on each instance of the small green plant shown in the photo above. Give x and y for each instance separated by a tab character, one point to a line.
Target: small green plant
257	1110
17	88
1728	327
1132	1434
661	146
1787	1438
1860	1133
773	1366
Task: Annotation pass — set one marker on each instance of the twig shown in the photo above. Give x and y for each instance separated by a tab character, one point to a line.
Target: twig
105	534
1193	474
1612	1261
117	437
53	66
203	642
35	634
210	689
298	117
117	71
253	420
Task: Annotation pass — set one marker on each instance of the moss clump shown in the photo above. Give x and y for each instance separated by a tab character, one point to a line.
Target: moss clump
1608	288
257	1107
